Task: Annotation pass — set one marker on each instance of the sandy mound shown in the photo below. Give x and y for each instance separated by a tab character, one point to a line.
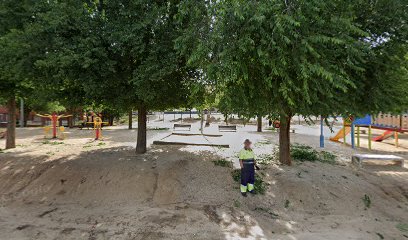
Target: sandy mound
93	191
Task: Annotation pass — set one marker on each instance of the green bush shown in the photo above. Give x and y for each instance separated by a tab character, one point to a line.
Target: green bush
260	186
304	153
222	163
367	201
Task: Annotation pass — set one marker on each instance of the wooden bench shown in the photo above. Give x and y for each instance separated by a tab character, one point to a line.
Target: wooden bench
231	128
182	126
358	158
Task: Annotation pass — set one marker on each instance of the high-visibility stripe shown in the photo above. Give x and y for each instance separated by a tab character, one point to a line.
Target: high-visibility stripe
243	188
248	161
250	187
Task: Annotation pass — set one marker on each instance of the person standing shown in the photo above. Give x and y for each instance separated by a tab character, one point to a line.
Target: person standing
247	162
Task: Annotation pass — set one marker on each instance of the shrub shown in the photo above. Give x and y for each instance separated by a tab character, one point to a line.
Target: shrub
367	201
304	153
222	163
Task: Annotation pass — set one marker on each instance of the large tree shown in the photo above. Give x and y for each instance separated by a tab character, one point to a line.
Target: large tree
310	57
121	53
16	65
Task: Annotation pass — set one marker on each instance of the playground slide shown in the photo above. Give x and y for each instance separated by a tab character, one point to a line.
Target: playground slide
341	134
383	136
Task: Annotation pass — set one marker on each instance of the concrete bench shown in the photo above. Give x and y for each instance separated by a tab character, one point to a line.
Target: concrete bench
232	128
182	126
358	158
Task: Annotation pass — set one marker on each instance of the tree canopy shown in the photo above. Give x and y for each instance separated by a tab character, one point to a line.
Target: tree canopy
305	57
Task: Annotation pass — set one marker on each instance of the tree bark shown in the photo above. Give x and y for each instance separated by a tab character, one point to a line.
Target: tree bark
284	140
207	122
226	118
11	123
26	116
202	121
130	119
259	129
141	129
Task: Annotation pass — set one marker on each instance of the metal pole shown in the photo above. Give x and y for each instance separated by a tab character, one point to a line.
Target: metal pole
21	112
321	133
369	137
352	136
358	136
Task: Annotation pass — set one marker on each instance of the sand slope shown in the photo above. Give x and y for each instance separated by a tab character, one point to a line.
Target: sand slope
106	191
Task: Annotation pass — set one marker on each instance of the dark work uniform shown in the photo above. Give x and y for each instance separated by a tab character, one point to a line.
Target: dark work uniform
248	171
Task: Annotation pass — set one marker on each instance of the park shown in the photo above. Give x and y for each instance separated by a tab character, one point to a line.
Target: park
134	119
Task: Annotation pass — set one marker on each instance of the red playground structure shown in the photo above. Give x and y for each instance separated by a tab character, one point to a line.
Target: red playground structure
54	121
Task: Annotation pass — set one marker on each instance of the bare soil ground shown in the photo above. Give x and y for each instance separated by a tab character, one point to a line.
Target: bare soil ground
83	189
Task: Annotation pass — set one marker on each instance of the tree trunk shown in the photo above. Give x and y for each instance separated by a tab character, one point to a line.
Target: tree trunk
284	140
207	122
202	121
11	123
26	116
259	129
226	118
141	129
130	119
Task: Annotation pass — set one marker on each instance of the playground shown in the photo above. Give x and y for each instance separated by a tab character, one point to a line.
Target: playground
82	188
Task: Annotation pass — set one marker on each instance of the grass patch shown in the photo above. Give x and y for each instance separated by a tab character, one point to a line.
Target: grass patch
87	146
1	150
222	163
101	144
52	142
403	227
266	159
260	185
366	201
305	153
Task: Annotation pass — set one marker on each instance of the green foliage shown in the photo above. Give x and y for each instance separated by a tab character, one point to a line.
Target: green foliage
301	57
266	159
52	142
222	163
403	227
304	153
367	201
260	186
